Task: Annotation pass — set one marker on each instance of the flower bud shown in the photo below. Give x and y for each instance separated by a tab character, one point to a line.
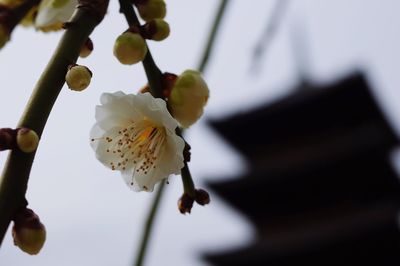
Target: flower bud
188	97
86	49
157	30
78	77
130	48
185	203
202	197
28	232
7	138
152	9
27	140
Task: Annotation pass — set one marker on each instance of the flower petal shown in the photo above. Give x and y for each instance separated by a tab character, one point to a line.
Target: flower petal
135	134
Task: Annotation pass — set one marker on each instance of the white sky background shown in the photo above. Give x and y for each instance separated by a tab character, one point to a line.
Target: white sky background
91	217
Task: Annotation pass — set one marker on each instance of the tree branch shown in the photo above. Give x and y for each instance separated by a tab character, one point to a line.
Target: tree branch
13	184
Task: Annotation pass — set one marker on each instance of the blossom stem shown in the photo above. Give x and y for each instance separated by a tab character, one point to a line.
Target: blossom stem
149	225
14	180
187	180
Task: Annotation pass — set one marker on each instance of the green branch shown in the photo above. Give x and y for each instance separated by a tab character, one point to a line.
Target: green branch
13	184
149	225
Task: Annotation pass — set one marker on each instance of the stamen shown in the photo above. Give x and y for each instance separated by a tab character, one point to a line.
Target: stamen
138	146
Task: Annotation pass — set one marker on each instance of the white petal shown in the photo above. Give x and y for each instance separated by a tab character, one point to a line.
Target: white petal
48	15
137	131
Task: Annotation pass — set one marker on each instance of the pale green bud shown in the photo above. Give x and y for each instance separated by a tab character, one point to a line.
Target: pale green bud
27	140
161	30
188	97
130	48
28	232
78	77
152	9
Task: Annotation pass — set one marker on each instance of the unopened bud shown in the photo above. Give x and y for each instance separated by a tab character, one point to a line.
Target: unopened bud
188	97
27	140
130	48
202	197
28	232
157	30
78	77
152	9
86	49
185	203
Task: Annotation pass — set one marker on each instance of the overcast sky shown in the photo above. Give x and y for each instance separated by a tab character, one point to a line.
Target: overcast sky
91	217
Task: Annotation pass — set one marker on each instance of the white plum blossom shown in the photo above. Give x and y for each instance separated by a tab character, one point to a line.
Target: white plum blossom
135	134
53	13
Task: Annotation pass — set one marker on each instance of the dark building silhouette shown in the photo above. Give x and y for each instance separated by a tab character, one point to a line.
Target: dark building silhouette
320	189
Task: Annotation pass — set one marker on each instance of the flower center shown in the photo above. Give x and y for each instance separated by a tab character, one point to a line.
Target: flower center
137	146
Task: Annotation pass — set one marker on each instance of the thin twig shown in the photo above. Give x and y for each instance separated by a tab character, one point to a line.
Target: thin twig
213	33
269	31
149	225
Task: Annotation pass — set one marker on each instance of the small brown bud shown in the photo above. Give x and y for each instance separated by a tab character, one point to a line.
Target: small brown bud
202	197
7	138
87	48
28	232
185	203
168	82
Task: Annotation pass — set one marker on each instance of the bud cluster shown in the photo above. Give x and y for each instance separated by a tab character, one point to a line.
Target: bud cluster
185	203
130	47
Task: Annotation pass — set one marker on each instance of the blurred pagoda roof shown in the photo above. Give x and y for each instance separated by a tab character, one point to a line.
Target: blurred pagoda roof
320	188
